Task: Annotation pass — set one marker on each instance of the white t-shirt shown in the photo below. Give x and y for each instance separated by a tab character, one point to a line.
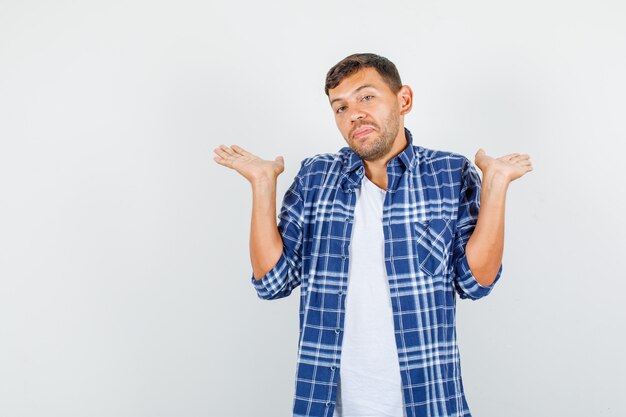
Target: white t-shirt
369	372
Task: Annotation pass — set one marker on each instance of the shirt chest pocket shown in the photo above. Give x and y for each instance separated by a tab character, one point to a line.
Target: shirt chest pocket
433	242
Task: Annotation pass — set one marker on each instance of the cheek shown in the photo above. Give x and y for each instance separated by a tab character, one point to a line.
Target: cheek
342	125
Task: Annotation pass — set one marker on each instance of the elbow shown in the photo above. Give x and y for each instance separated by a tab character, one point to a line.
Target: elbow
485	276
468	285
484	264
278	282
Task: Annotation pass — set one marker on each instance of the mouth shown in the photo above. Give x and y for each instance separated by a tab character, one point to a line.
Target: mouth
362	132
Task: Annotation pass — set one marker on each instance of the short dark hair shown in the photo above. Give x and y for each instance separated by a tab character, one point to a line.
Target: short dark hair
355	62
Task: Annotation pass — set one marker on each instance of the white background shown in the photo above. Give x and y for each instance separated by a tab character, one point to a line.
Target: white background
124	271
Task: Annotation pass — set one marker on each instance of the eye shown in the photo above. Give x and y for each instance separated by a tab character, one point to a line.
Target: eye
368	98
340	109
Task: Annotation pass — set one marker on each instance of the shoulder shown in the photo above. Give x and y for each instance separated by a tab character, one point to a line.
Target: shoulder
437	167
435	157
324	163
321	161
323	170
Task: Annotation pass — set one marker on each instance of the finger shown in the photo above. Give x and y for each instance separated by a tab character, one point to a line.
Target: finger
240	150
221	161
222	153
227	150
280	160
509	156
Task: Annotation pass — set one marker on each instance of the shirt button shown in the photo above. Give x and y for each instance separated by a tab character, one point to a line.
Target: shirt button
347	219
328	404
340	292
344	257
332	368
337	331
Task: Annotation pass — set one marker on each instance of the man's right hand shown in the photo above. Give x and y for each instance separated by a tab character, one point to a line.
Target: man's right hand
266	244
250	166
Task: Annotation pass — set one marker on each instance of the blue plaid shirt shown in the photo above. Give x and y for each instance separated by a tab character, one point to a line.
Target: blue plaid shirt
429	213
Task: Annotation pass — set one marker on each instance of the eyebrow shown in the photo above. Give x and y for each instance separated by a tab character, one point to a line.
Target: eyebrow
354	92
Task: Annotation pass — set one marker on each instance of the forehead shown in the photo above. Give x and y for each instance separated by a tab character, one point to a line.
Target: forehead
365	76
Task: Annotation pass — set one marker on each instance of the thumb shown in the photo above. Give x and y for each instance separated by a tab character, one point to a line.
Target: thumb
280	160
480	154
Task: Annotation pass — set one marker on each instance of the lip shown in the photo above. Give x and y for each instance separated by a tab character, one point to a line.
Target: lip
363	131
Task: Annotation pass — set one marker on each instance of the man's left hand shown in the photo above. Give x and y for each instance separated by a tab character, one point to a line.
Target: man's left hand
509	167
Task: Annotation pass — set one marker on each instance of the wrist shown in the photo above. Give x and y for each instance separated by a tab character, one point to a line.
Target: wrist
495	180
493	189
263	182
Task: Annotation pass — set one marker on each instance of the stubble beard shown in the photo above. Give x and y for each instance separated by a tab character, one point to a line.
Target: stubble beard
377	148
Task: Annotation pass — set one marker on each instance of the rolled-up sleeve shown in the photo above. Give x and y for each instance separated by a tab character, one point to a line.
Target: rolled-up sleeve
466	284
279	281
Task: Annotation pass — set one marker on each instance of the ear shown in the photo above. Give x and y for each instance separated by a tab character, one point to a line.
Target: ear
405	99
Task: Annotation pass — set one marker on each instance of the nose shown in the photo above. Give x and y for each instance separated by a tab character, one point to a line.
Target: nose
356	114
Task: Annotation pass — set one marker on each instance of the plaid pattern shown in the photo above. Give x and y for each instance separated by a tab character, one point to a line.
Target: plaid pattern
429	213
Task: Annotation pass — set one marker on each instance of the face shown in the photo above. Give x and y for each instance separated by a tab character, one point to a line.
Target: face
368	114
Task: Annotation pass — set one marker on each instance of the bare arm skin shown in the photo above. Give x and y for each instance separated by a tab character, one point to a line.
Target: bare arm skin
266	244
485	247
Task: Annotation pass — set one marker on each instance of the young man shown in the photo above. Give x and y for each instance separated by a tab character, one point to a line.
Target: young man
379	237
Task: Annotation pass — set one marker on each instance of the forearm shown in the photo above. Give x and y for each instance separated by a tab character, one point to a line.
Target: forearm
485	247
266	244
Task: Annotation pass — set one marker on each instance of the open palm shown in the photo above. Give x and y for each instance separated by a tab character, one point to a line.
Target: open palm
510	166
247	164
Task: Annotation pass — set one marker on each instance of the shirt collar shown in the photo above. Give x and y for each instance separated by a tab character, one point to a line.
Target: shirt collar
407	157
353	168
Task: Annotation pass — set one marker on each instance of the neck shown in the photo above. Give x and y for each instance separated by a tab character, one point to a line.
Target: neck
376	170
